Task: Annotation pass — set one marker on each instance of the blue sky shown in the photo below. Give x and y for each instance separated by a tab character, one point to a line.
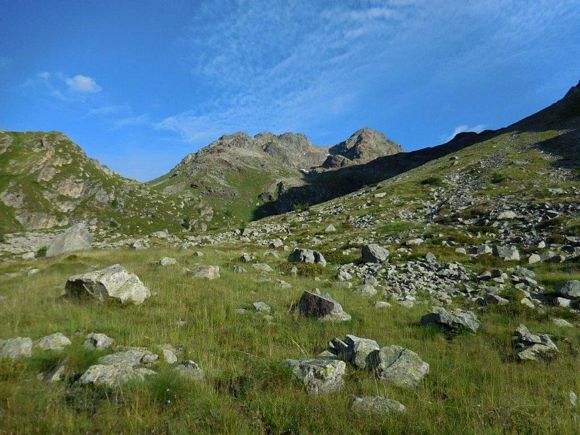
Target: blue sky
139	84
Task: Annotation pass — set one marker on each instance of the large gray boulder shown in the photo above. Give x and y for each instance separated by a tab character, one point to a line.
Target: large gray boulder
114	282
377	406
399	366
113	375
570	289
530	346
14	348
374	253
322	307
320	376
76	238
299	255
451	320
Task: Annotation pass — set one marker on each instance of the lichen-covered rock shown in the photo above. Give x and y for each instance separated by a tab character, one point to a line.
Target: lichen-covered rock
76	238
570	290
377	406
533	347
322	307
320	376
56	341
398	366
167	261
113	375
451	320
14	348
114	282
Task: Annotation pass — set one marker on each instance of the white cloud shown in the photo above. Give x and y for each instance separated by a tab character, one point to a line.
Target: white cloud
132	121
83	84
110	110
464	129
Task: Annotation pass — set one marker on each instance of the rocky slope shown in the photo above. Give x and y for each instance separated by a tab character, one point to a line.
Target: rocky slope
47	181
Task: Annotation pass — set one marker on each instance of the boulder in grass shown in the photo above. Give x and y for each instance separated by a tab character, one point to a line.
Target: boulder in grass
97	341
320	376
454	321
129	357
377	406
206	272
299	255
530	346
56	341
322	307
114	282
570	290
399	366
113	375
374	253
76	238
354	350
189	370
14	348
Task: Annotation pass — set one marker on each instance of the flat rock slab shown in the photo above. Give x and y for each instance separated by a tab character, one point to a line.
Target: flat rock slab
399	366
14	348
114	282
451	320
377	406
320	376
113	375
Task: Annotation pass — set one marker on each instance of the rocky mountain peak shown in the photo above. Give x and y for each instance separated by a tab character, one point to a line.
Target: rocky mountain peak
362	146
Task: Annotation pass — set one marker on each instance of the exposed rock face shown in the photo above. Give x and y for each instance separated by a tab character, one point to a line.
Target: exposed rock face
320	376
374	253
113	375
299	255
362	146
534	347
322	307
114	282
14	348
399	366
451	320
76	238
377	406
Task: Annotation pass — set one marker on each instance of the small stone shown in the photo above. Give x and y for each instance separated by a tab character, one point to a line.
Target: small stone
14	348
451	320
320	376
167	261
262	307
366	290
570	289
322	307
399	366
534	347
374	253
189	370
262	267
299	255
113	375
534	258
382	304
562	323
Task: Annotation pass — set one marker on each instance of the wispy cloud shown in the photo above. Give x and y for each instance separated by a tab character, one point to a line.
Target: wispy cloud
65	88
132	121
464	129
82	84
114	109
281	65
